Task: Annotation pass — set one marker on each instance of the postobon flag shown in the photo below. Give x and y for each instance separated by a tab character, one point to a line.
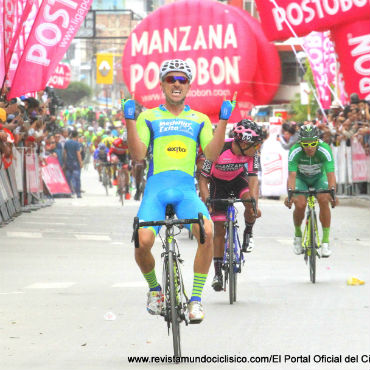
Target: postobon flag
104	69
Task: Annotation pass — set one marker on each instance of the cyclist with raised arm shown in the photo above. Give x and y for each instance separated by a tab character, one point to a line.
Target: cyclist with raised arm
234	172
311	164
171	134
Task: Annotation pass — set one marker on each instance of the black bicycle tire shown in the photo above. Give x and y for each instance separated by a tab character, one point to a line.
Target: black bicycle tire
121	180
312	259
175	320
231	262
105	180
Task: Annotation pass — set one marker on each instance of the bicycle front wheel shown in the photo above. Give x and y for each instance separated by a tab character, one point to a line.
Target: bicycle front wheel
312	257
105	180
232	275
174	313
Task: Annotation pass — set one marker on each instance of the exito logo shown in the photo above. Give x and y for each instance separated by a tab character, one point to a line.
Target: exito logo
176	149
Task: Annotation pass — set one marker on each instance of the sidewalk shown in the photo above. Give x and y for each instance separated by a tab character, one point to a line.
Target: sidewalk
362	200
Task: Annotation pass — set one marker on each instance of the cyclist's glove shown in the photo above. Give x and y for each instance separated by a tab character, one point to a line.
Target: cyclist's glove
227	108
128	107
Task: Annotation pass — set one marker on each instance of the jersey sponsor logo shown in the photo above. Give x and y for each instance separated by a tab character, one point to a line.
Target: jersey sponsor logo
177	149
310	169
176	126
230	167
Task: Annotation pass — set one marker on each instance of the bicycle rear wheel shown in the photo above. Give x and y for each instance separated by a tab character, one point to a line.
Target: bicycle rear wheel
232	275
312	257
105	180
174	313
121	186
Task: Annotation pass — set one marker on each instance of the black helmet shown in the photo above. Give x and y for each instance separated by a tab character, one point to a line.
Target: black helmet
247	131
308	133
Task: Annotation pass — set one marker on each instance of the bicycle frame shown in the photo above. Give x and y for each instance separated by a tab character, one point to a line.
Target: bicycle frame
175	309
310	239
233	255
239	256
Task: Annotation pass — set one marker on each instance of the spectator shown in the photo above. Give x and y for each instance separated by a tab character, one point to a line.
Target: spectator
288	136
73	163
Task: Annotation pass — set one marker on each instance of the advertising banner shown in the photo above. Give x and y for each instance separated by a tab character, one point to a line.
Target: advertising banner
61	76
53	177
352	44
314	45
305	16
104	68
360	162
54	28
221	49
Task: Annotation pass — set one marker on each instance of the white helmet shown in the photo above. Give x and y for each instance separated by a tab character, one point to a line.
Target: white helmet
124	136
175	65
90	128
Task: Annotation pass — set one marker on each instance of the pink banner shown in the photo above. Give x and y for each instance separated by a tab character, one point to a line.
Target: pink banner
222	48
305	16
20	41
360	162
314	45
15	14
52	32
61	77
53	177
2	61
352	43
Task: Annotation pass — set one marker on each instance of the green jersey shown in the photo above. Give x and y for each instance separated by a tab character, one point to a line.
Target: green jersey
173	141
322	162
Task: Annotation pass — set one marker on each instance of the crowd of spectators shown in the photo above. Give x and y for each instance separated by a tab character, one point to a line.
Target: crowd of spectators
39	123
340	125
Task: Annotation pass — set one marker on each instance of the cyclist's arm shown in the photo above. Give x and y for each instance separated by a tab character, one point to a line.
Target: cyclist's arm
253	187
331	180
203	188
213	149
291	180
136	147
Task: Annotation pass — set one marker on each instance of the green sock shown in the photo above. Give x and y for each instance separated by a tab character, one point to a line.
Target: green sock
325	234
151	279
297	231
199	280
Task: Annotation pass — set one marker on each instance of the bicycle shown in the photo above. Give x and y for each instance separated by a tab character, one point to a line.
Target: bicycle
175	308
233	256
121	187
310	239
106	175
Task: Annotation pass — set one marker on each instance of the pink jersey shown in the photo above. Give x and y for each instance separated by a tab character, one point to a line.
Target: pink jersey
228	165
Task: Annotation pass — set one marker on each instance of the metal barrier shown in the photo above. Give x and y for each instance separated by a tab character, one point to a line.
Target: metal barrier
21	185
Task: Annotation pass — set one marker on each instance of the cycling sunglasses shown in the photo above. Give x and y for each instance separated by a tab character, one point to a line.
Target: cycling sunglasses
311	145
173	79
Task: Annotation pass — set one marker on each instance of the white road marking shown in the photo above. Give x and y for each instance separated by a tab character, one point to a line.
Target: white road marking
285	241
23	234
130	284
11	293
55	285
93	237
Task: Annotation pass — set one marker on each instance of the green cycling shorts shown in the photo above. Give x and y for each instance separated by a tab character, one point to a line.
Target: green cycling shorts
318	182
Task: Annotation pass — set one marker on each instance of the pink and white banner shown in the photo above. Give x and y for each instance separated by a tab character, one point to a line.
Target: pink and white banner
16	13
53	177
352	44
317	47
61	77
25	23
52	32
2	61
305	16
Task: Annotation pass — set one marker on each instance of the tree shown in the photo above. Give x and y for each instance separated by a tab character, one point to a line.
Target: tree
74	93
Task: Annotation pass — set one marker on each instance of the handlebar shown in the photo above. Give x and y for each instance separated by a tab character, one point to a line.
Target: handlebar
312	192
231	201
169	223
